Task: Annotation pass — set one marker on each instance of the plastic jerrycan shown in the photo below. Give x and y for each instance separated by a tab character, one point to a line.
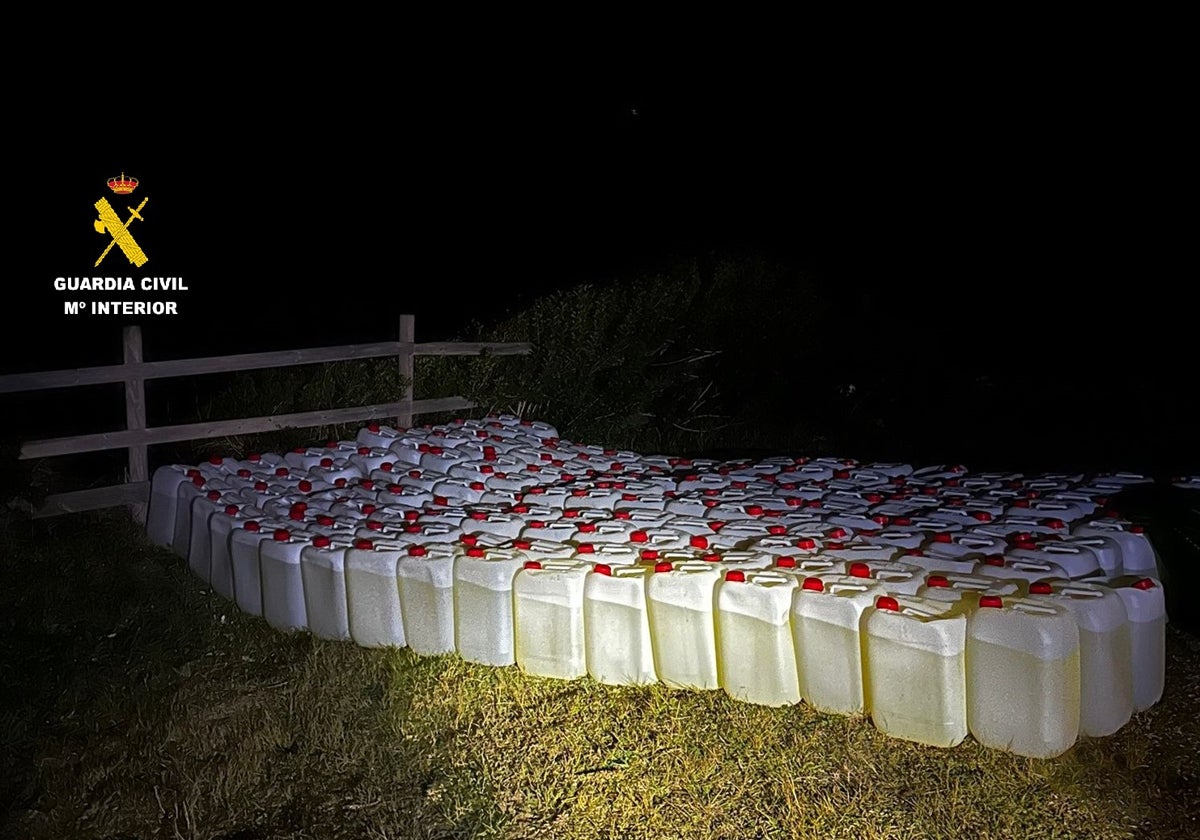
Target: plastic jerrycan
160	517
247	580
425	574
826	618
323	572
914	669
1146	608
373	594
756	659
244	563
199	552
483	603
1076	560
548	623
1138	555
679	605
185	494
282	582
1023	676
220	527
617	644
1106	671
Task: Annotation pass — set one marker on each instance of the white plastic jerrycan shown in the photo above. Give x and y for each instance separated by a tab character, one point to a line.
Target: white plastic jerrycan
1023	676
914	669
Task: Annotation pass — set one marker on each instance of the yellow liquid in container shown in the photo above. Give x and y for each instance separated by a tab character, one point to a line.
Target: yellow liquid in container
914	669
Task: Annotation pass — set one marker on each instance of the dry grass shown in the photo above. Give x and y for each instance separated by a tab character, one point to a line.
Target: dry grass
136	704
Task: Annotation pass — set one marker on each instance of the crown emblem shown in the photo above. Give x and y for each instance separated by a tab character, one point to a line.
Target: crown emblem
122	185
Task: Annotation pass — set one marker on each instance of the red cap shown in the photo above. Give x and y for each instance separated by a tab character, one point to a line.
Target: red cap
785	562
587	527
990	601
994	559
198	481
861	570
937	580
585	548
296	515
417	551
326	463
231	510
806	543
281	471
213	495
475	552
813	584
282	535
602	569
1040	587
363	544
304	486
777	530
887	602
837	533
321	541
698	541
711	557
663	567
734	576
1144	583
252	525
638	536
375	524
943	537
368	509
532	564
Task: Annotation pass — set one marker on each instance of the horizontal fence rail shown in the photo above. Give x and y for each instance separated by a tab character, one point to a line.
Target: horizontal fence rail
136	437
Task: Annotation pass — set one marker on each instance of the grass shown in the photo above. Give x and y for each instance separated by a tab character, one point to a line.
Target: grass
135	703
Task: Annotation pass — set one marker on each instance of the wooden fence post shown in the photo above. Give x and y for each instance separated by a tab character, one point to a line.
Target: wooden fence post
407	334
135	418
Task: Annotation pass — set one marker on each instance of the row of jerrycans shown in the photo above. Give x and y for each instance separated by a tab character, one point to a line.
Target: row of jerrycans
959	653
1021	667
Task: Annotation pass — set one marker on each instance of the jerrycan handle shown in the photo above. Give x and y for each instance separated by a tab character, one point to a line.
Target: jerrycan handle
837	588
1075	591
1032	608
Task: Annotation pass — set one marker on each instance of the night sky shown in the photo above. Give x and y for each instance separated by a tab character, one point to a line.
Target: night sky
1027	232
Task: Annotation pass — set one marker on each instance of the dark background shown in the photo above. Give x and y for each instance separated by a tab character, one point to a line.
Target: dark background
1024	231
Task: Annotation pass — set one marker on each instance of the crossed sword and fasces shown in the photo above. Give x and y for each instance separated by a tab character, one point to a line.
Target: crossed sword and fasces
111	222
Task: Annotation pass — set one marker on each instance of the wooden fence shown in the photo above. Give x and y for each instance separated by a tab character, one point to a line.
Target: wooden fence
136	437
